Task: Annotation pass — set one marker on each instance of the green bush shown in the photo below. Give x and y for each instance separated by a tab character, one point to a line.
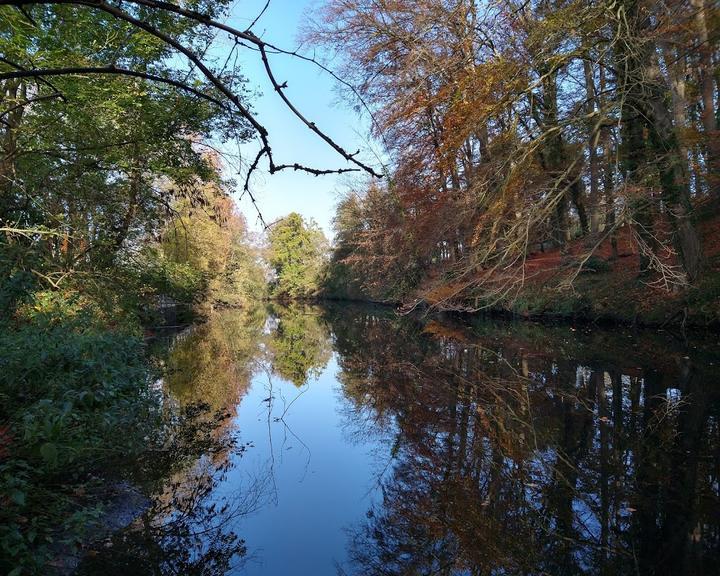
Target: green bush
74	400
159	275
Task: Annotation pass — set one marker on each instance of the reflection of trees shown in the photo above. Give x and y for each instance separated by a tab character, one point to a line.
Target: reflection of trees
188	529
533	453
300	344
213	362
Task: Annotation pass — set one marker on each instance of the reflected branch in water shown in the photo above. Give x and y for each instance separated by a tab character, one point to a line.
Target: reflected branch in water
530	451
269	401
189	529
286	428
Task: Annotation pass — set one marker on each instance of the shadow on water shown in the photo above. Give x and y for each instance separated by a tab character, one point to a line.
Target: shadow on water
505	448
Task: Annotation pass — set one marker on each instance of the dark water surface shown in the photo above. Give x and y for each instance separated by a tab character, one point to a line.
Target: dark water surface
373	444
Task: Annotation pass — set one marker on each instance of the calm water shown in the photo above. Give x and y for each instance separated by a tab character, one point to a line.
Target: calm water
372	444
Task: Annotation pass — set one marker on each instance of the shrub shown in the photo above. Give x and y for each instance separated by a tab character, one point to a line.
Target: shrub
74	400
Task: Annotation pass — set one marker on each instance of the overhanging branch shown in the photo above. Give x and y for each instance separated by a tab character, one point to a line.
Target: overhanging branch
246	36
79	70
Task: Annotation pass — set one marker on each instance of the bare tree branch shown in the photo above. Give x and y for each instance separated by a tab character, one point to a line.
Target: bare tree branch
248	36
260	15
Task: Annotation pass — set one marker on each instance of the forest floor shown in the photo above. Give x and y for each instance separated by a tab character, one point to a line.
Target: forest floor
601	287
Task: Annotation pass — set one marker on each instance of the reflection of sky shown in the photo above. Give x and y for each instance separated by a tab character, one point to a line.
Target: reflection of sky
316	485
314	93
318	451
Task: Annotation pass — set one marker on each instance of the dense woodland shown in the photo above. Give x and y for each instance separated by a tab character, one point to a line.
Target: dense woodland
516	128
538	157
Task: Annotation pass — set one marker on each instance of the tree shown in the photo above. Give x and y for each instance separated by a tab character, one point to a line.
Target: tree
171	29
499	120
84	164
297	252
100	106
210	238
377	254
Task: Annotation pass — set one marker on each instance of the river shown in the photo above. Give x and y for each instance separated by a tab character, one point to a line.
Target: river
360	442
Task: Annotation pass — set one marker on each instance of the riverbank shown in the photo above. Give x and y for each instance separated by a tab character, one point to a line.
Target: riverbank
77	405
86	431
606	287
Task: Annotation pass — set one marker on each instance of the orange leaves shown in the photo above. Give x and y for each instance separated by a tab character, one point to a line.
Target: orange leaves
475	97
441	330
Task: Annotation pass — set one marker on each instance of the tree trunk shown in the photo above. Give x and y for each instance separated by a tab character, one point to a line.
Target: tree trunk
677	70
608	167
577	192
649	139
595	211
673	176
10	92
707	94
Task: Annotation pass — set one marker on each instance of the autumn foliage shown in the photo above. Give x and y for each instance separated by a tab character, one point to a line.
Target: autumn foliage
518	127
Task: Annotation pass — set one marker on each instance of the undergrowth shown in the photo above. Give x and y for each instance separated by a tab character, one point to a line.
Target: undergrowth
74	401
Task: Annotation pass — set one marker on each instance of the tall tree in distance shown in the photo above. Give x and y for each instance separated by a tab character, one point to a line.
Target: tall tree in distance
298	251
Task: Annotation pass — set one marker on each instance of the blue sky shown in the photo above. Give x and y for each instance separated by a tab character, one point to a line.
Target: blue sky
315	94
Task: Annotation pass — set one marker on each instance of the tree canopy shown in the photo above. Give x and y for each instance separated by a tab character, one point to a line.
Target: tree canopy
297	253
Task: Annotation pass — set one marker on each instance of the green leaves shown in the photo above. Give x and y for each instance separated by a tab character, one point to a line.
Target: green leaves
49	453
298	251
92	165
93	178
77	396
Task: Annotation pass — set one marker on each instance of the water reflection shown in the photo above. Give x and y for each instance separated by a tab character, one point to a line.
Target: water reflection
533	450
408	446
189	528
213	362
299	344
